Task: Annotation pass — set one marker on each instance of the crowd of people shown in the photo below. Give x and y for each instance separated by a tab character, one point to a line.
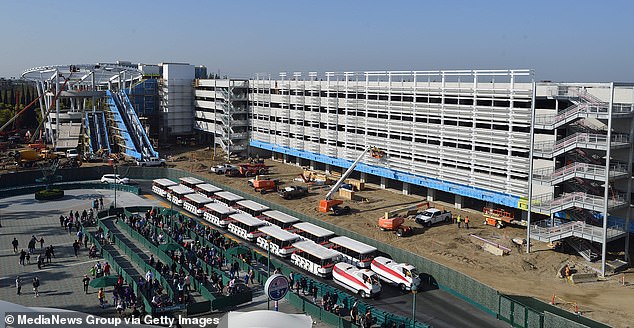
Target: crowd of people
24	257
188	264
155	227
178	273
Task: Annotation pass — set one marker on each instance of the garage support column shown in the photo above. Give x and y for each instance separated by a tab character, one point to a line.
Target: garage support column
327	170
458	202
406	188
298	161
364	177
312	165
431	194
383	182
285	158
273	156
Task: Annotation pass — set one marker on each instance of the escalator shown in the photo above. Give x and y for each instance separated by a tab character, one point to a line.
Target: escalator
139	131
131	136
96	124
92	133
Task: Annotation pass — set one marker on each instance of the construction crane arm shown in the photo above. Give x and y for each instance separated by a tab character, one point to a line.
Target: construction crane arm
344	176
19	113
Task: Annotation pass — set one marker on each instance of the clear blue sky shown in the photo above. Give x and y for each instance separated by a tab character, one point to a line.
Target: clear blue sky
585	41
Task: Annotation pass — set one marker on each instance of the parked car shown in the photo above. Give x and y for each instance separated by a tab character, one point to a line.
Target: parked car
114	178
223	169
152	161
291	192
72	153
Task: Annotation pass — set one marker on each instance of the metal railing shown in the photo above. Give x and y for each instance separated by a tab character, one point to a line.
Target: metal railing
578	169
547	203
581	140
545	230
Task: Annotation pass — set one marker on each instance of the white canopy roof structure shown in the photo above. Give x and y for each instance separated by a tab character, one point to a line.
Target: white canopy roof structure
265	319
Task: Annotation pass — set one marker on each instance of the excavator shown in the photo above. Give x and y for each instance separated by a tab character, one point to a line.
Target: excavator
328	203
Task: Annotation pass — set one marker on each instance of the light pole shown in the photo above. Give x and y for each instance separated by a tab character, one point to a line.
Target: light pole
268	268
414	290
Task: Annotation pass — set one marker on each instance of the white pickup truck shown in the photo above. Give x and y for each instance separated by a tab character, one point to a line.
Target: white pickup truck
432	216
152	161
222	169
72	153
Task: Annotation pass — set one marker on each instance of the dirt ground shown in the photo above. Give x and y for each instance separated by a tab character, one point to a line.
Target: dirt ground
518	273
535	274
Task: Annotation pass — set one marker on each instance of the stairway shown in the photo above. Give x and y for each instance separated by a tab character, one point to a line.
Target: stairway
583	248
578	155
584	105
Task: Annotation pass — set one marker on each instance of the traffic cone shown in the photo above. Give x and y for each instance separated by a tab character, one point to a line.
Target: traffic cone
552	301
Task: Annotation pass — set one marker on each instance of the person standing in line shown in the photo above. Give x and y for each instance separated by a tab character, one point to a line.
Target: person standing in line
106	269
291	280
466	222
251	275
36	286
354	313
15	244
18	284
187	283
458	219
246	279
368	320
41	242
101	296
314	293
86	282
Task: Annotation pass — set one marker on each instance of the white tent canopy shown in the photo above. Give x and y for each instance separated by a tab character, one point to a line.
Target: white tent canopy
265	319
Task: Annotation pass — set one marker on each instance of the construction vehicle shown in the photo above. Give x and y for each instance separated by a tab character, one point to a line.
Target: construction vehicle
328	203
37	146
247	170
391	221
28	157
395	224
433	215
264	185
499	218
291	192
